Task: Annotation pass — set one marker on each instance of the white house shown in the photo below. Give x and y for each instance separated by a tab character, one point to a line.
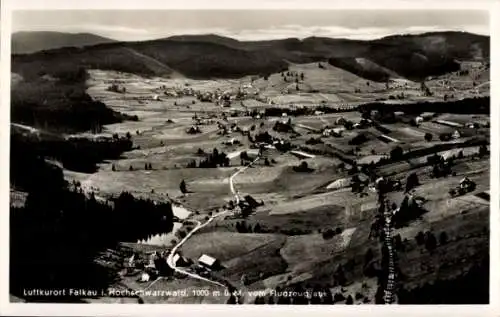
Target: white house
419	120
145	277
208	262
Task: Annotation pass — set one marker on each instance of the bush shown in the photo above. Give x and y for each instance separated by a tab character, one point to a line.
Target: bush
396	153
411	182
328	234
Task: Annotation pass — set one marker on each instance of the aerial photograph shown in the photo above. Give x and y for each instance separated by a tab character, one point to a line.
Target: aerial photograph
291	157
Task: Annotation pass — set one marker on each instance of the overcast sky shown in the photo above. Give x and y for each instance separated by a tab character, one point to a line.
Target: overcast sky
130	25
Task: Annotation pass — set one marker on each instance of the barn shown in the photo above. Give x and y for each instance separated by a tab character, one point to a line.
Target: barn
208	262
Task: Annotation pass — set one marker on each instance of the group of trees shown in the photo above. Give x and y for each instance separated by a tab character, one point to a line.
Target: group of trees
295	76
303	167
116	88
475	105
60	105
243	227
211	160
430	242
330	233
78	154
57	234
283	127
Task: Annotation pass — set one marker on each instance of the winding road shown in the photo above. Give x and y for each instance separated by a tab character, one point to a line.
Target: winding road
170	258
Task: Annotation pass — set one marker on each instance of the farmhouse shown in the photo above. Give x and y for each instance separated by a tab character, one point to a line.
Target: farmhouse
418	120
208	262
427	115
333	132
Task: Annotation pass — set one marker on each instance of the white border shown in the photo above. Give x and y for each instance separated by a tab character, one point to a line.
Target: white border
207	310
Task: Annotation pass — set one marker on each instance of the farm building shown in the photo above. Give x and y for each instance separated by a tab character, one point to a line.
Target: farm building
145	277
427	115
334	132
208	262
231	142
419	120
340	121
180	260
253	153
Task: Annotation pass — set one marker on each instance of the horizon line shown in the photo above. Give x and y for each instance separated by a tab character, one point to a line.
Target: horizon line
249	40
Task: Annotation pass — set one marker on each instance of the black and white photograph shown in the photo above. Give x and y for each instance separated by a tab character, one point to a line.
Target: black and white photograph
249	157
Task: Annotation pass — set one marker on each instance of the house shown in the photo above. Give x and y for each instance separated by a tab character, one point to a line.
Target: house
427	115
180	261
253	154
418	120
340	121
327	132
233	141
145	277
208	262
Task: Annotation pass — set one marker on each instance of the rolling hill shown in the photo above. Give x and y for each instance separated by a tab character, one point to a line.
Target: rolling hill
30	42
211	56
50	83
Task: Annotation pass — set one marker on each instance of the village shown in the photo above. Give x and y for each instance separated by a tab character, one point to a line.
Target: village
316	157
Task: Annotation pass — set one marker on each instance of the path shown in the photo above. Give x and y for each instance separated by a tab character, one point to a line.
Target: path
199	226
388	239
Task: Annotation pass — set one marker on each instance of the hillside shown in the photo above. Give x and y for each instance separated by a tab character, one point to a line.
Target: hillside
29	42
212	56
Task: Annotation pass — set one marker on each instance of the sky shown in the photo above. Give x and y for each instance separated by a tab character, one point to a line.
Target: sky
136	25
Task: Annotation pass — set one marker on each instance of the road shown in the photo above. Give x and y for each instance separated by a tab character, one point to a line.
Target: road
199	226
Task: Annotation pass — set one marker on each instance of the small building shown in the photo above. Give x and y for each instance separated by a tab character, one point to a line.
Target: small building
456	134
418	120
208	262
145	277
340	121
427	115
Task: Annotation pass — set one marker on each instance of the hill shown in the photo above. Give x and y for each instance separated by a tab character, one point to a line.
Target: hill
29	42
208	56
